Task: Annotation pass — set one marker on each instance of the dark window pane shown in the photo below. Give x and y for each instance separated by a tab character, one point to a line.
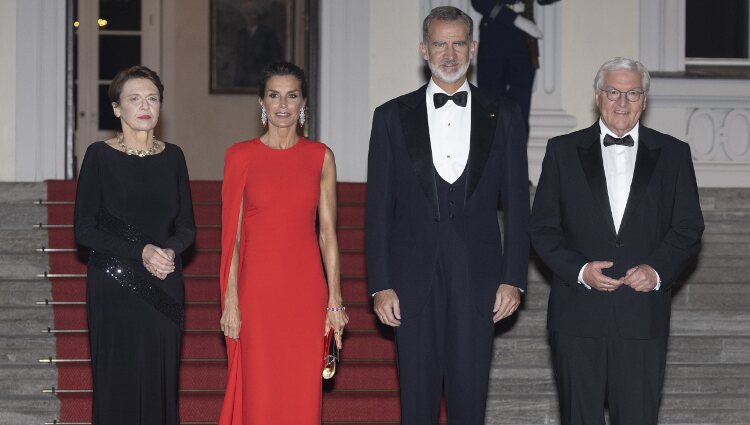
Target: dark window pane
107	118
120	14
117	52
716	29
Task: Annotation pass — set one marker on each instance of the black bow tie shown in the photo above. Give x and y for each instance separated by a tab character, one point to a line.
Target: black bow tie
459	98
625	141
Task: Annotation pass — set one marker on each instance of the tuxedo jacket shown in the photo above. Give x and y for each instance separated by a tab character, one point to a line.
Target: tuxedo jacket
402	212
571	224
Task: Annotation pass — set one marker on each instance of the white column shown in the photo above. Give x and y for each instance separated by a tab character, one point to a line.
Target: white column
547	118
344	89
8	91
662	33
40	90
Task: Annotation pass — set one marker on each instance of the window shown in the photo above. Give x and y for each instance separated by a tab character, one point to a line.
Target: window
717	33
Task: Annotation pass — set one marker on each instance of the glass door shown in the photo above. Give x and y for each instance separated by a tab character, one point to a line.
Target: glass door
109	35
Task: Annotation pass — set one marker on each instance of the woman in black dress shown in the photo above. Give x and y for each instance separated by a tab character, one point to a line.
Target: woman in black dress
134	211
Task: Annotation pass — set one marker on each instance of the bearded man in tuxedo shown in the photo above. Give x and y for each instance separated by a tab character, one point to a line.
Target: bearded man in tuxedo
440	159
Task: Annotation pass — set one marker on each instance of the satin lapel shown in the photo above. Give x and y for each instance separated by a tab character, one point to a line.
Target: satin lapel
413	114
645	162
483	124
590	154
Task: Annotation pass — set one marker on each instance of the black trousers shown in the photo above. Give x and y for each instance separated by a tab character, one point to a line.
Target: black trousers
447	346
626	374
511	77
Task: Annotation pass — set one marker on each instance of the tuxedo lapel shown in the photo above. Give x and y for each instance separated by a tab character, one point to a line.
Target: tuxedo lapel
590	154
645	162
413	115
482	136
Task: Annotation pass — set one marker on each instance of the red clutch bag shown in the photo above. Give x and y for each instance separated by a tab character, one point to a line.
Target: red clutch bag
330	355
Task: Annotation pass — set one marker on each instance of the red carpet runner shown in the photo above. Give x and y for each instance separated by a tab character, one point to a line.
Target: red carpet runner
364	390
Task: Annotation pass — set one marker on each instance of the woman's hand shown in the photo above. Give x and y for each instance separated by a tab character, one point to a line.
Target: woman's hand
230	319
336	320
154	271
160	262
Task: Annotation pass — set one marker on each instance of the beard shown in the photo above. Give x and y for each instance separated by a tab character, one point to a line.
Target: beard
446	77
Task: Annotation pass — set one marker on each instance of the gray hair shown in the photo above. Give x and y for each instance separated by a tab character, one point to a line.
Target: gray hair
447	14
618	64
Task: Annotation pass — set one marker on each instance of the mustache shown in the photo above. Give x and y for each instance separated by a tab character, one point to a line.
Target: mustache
452	62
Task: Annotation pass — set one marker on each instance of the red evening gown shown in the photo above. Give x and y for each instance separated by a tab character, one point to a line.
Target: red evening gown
274	375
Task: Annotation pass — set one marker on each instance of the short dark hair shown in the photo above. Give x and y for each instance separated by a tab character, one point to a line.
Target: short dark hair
138	71
447	14
280	69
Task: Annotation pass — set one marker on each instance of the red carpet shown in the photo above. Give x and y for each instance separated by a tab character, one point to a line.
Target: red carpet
364	390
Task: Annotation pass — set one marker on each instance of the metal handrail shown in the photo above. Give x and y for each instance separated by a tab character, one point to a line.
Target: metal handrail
54	390
51	360
196	330
45	303
46	275
46	202
56	422
45	249
70	226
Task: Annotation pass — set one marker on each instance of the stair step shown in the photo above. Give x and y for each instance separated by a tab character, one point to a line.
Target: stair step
23	293
18	266
508	351
205	263
530	322
30	379
20	320
382	407
692	295
25	193
680	379
25	240
21	215
25	349
504	381
27	410
203	190
347	213
349	237
196	289
676	409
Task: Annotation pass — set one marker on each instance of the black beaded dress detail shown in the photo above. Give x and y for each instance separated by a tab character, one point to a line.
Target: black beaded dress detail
135	320
129	278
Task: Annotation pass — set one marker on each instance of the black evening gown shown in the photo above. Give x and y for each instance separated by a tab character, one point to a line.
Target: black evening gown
135	320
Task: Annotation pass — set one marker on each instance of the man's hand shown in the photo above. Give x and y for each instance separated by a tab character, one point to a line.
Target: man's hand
641	278
387	308
593	276
507	300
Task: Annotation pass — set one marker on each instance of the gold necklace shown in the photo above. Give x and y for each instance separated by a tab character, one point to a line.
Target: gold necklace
154	149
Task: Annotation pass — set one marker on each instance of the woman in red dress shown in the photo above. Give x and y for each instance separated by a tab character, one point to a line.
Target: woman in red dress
276	304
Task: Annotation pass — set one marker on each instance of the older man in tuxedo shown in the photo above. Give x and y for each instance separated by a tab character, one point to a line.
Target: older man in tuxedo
616	218
440	159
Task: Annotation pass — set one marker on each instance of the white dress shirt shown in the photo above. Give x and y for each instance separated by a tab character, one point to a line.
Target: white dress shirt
450	132
619	165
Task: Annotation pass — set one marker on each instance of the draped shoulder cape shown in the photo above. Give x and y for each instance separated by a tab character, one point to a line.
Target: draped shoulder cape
235	174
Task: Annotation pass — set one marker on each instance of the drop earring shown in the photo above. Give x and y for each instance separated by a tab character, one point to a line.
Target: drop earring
263	116
302	116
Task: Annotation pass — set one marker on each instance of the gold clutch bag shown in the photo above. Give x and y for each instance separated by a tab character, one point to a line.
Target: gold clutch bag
330	356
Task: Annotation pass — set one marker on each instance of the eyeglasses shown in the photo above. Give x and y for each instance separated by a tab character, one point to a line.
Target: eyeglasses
631	95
